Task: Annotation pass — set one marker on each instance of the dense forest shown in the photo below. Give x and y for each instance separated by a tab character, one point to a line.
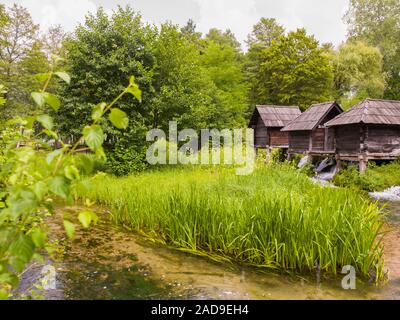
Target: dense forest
201	81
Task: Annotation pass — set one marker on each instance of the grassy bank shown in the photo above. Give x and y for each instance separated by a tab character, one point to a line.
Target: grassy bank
274	218
376	178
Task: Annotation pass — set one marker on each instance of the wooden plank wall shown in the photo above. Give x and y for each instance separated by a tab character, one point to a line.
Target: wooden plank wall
260	134
318	136
277	138
348	139
299	141
382	139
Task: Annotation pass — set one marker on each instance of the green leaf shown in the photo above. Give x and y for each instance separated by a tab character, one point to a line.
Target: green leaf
85	163
39	98
59	186
86	218
29	122
119	118
132	81
71	172
51	133
46	121
135	91
9	278
42	77
100	154
3	294
98	111
38	237
21	252
40	189
94	136
52	101
50	157
39	258
69	228
64	76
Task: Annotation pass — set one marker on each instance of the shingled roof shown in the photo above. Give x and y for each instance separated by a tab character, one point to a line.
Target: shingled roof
370	111
312	117
276	116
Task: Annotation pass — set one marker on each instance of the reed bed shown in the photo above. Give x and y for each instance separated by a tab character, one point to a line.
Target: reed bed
275	218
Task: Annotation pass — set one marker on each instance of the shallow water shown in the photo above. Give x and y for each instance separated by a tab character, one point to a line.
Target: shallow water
107	262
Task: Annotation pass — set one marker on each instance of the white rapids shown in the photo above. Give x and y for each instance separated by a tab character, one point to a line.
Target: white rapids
391	194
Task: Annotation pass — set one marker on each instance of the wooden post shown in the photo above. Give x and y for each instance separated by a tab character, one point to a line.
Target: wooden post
338	164
268	156
363	160
326	132
363	165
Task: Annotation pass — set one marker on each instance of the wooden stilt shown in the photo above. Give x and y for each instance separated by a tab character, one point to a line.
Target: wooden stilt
268	157
363	165
338	164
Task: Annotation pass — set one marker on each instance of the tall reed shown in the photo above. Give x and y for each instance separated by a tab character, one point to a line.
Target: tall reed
274	218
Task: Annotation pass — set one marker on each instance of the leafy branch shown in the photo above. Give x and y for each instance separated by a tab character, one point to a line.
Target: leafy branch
33	177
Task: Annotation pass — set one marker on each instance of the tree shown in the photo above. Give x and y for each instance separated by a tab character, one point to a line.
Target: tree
178	81
376	22
16	38
358	73
264	33
226	38
189	32
294	71
19	46
101	55
53	41
3	16
104	52
223	67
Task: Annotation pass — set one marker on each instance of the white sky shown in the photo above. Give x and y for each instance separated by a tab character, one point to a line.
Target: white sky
323	18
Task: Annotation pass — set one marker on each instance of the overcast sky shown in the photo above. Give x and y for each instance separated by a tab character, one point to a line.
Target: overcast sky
323	18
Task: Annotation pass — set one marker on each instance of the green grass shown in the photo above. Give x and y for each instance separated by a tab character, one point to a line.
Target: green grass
376	178
274	218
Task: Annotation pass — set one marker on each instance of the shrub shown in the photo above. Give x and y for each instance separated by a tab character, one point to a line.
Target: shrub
376	178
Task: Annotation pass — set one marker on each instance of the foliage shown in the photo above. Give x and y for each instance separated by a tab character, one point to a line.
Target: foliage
377	23
20	59
197	85
275	218
32	176
358	73
221	64
376	178
225	39
278	155
263	34
295	71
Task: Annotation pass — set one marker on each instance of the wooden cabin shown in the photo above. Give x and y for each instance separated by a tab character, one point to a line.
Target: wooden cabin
267	122
308	133
368	131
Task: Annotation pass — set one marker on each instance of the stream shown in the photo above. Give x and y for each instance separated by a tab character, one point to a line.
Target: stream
108	262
